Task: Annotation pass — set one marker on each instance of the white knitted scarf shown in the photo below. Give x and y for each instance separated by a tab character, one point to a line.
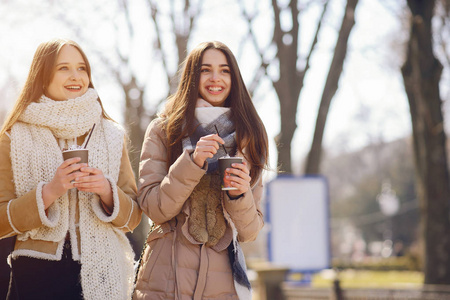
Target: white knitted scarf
36	142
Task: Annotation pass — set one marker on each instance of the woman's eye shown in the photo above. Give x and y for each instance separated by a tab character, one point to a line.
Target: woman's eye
204	70
226	71
62	68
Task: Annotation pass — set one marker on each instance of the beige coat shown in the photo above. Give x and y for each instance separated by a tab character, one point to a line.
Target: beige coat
174	265
23	211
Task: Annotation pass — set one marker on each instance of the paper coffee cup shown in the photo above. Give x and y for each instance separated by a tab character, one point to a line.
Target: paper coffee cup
224	163
81	153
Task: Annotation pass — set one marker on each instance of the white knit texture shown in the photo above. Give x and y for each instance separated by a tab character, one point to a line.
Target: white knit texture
77	114
106	255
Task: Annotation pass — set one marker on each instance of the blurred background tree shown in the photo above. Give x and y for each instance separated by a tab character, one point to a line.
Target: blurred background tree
292	66
422	74
331	85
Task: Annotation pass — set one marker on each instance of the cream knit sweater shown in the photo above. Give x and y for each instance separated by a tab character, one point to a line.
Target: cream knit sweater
36	143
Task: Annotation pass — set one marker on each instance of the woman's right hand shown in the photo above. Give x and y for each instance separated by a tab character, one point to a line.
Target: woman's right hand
206	147
62	181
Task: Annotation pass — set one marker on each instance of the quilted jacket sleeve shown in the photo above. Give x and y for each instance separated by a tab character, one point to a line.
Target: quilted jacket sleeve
161	191
245	212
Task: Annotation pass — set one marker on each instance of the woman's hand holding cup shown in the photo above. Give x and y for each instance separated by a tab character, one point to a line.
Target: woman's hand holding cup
62	180
97	183
240	181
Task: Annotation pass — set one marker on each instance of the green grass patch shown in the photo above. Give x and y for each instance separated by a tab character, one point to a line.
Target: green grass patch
350	278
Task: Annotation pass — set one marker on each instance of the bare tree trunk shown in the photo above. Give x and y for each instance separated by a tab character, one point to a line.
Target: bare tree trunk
421	74
331	86
182	31
290	82
134	116
288	85
291	76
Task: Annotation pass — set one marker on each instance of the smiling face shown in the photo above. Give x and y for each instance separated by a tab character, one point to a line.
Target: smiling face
70	78
215	77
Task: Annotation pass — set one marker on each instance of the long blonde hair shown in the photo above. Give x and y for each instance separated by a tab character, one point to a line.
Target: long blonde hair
39	77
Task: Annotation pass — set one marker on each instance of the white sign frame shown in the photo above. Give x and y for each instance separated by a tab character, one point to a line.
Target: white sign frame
295	205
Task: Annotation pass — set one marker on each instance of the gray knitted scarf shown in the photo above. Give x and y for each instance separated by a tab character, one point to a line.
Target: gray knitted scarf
206	118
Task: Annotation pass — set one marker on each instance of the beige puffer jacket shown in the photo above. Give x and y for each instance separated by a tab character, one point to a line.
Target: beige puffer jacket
174	265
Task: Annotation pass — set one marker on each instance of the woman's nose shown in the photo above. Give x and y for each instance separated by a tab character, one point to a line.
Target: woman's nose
214	76
74	75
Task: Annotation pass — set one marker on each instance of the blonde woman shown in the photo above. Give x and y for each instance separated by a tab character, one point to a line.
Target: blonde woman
69	218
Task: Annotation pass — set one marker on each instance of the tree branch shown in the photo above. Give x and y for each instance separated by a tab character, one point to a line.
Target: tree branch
262	68
316	37
153	14
127	16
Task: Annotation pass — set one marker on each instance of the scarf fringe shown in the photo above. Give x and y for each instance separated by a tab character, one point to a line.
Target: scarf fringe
238	266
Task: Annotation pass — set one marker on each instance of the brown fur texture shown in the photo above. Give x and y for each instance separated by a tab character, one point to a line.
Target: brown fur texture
207	223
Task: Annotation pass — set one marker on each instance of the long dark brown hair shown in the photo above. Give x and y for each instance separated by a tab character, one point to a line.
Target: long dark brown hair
39	77
179	112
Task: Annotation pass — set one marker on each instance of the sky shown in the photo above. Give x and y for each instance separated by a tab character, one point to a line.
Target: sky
369	106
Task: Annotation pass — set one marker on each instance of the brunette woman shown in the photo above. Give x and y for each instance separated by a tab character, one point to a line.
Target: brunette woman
193	248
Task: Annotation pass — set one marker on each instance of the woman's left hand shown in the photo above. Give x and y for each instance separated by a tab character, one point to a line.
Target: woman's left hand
241	181
96	183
